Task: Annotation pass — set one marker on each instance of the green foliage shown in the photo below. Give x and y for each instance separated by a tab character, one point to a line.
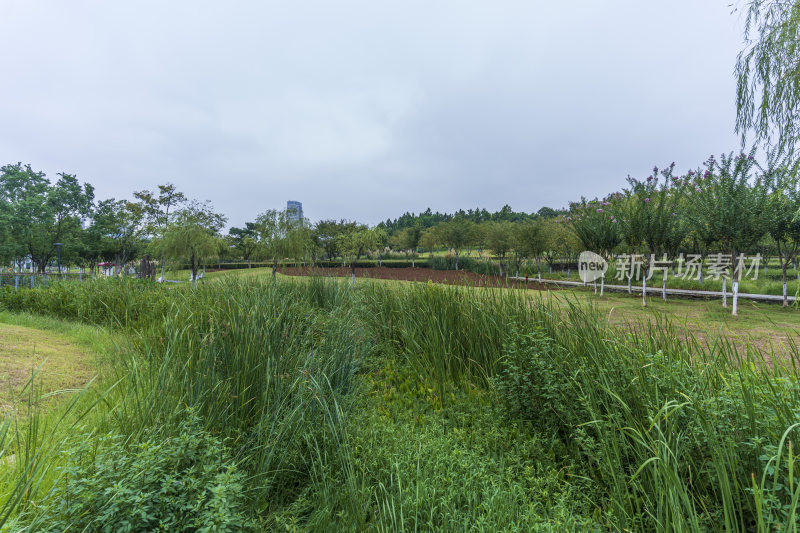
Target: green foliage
245	240
117	231
561	241
461	466
408	239
464	263
357	241
596	228
160	206
499	239
651	214
328	235
783	223
728	203
768	82
535	383
457	234
186	482
528	241
280	236
428	219
193	235
41	214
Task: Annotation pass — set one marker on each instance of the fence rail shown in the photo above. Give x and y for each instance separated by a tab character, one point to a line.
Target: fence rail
657	290
24	280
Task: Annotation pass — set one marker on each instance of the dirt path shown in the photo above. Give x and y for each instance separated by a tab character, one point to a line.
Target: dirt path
448	277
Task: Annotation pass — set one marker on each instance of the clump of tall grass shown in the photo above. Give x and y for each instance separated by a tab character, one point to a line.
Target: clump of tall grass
262	364
453	333
113	302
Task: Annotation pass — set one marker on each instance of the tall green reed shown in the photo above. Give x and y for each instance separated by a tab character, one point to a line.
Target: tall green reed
673	429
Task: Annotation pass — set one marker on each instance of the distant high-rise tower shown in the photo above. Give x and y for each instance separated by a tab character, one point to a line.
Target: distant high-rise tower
294	210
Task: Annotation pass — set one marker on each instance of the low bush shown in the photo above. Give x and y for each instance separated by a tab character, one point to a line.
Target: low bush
182	483
535	384
371	263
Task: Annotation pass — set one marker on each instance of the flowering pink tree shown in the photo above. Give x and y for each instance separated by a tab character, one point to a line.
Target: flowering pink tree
595	225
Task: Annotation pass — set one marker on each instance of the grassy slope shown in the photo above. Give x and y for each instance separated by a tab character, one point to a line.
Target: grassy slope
74	369
58	362
64	356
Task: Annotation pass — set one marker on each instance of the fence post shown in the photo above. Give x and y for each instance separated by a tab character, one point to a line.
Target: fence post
32	276
16	283
644	290
724	292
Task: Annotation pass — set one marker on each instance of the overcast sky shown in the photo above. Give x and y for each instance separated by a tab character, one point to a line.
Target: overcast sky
366	109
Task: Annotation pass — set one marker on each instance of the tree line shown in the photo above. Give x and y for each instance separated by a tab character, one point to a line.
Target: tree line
729	205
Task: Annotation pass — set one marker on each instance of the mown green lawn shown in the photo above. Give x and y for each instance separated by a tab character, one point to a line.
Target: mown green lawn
57	361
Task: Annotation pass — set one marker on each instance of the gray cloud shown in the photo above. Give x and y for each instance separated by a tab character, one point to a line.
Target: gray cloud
364	109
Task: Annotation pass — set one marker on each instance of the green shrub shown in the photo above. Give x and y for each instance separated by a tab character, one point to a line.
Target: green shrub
449	263
534	384
183	483
424	466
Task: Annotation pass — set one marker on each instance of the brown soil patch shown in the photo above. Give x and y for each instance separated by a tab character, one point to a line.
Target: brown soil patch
448	277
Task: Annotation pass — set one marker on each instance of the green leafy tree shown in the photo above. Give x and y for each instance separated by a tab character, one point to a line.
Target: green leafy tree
274	235
528	240
10	249
500	240
120	229
301	244
408	239
561	243
783	223
430	240
768	79
595	226
456	234
381	242
159	206
193	235
650	218
355	243
729	202
245	241
326	235
549	212
663	229
42	214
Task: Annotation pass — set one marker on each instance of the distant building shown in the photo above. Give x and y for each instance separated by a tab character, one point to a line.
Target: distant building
294	210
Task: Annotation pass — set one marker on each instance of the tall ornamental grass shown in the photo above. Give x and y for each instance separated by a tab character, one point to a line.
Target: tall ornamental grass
679	435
